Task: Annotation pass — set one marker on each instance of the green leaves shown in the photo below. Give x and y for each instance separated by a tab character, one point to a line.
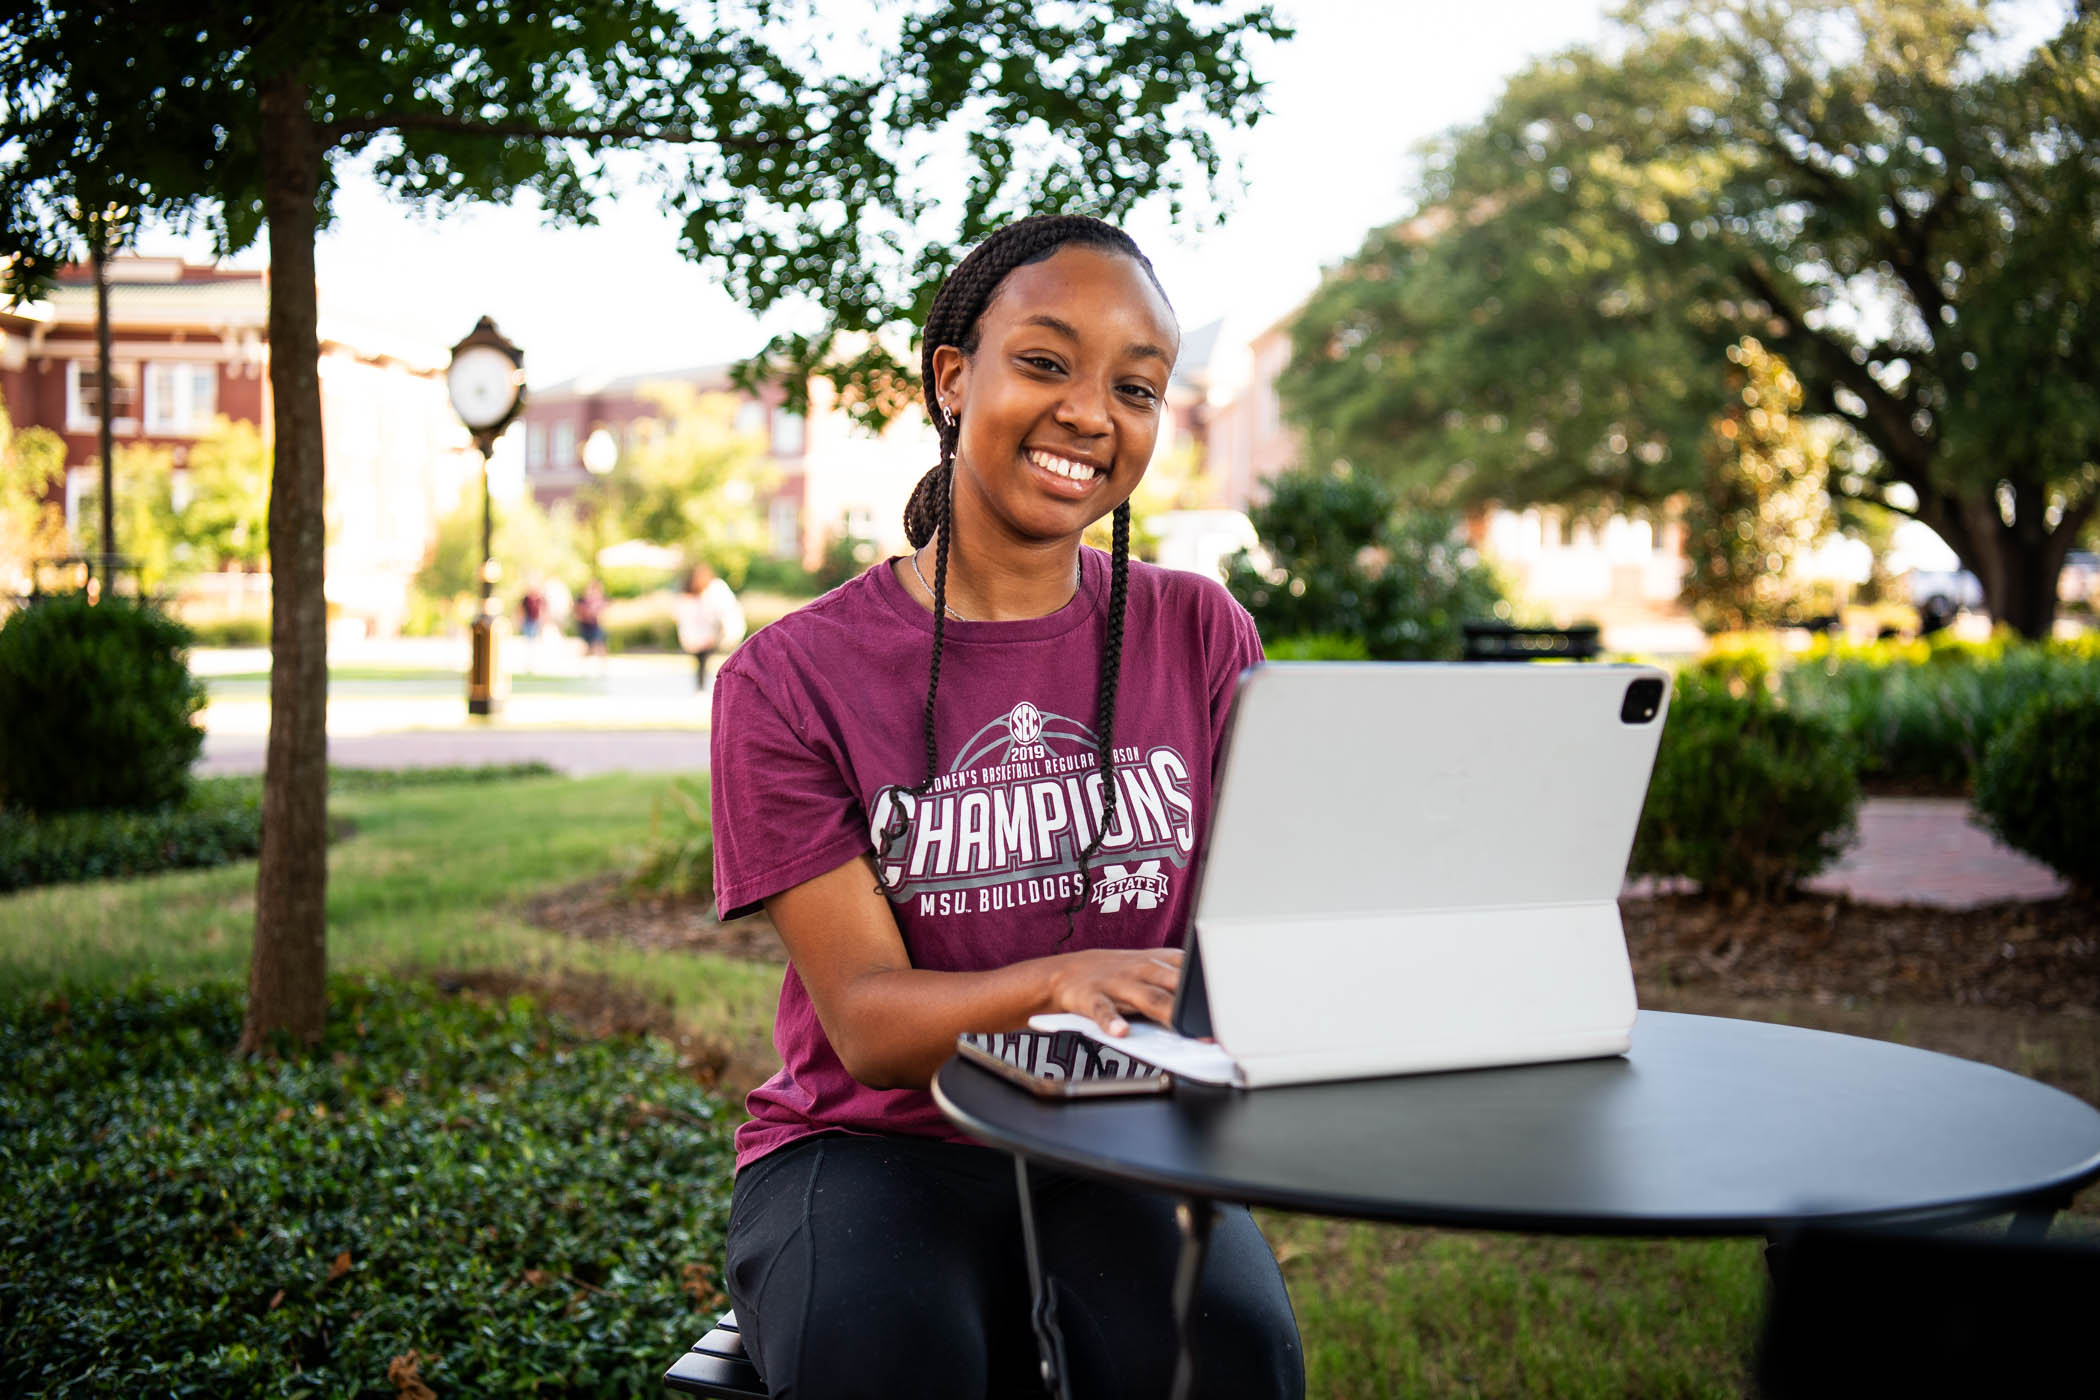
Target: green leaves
1342	565
1896	205
521	1208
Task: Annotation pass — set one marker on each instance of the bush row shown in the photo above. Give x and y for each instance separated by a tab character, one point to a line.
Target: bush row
1919	714
1753	795
218	822
467	1195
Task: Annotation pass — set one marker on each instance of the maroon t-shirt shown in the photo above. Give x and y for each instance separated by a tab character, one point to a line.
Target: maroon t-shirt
818	720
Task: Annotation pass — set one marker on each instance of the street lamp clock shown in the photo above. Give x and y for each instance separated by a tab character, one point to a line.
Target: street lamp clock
486	380
486	383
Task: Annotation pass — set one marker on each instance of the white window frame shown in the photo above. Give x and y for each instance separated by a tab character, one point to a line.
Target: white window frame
185	413
80	418
784	523
790	433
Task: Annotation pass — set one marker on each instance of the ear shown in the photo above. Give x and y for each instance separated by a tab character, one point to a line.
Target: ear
951	377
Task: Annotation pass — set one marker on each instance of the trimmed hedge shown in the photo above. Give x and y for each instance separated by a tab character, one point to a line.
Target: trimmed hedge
2039	787
99	706
1924	713
468	1195
1747	797
1318	646
219	822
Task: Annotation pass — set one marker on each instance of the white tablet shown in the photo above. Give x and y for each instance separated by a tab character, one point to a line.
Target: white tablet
1417	866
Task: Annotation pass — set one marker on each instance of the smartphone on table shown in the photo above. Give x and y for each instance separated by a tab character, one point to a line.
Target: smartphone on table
1062	1064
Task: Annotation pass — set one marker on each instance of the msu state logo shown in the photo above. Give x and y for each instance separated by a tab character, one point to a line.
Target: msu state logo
1025	723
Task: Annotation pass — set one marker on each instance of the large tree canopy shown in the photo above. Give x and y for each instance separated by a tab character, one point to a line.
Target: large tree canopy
800	159
1880	191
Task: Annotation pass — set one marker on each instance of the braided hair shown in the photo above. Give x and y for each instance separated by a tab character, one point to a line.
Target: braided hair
957	309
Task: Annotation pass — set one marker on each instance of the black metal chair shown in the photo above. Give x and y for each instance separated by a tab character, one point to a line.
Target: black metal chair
1501	641
717	1368
1857	1312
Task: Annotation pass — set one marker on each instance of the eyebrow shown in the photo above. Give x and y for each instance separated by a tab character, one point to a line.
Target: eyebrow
1064	328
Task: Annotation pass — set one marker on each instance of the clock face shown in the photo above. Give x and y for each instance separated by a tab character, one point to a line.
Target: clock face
484	386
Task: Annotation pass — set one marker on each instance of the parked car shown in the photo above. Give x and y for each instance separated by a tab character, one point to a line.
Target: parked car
2080	580
1944	591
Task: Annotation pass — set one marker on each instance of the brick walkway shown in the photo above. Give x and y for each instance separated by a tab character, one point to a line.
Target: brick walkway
1911	850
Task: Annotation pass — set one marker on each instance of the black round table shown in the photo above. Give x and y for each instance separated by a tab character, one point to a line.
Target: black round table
1707	1126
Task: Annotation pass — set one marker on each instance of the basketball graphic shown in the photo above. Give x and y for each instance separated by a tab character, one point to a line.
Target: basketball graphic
1025	723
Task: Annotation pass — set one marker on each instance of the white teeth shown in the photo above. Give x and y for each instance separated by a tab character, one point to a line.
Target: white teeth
1063	466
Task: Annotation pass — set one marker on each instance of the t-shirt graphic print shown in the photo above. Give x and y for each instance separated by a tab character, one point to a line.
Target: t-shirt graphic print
1004	827
819	738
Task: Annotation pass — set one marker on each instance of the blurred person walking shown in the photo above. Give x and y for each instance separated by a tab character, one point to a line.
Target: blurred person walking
709	620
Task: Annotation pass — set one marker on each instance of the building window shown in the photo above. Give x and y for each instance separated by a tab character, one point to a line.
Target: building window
750	417
84	398
784	523
181	398
535	447
787	434
561	455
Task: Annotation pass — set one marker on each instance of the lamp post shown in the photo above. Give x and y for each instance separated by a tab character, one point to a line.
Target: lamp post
487	385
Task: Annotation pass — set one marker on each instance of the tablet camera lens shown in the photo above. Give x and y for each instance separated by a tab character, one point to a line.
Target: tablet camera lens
1643	700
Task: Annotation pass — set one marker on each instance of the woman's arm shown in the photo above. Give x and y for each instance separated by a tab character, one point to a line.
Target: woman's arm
893	1024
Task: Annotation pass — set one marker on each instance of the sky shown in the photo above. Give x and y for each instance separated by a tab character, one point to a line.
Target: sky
1362	84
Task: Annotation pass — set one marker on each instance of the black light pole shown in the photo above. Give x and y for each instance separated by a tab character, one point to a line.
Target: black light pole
487	385
105	427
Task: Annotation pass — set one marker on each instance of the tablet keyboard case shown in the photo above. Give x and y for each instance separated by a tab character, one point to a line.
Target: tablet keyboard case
1417	866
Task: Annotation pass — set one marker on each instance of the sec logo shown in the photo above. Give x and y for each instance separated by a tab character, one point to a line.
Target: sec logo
1025	723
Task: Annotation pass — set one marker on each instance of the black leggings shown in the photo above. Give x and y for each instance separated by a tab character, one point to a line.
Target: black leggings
893	1266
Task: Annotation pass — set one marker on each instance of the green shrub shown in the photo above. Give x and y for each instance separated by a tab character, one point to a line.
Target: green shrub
348	780
217	823
1925	712
1342	561
2039	786
98	705
474	1186
231	632
780	576
1323	646
680	858
1747	797
642	634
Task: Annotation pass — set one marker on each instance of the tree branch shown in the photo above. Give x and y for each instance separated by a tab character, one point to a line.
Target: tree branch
1887	421
445	121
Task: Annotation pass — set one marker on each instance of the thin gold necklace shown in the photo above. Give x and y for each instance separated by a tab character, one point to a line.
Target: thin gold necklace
1077	576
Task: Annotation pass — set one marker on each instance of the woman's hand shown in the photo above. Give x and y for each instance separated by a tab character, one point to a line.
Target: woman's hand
1107	984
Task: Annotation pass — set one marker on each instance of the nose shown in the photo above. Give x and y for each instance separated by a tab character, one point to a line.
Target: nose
1083	409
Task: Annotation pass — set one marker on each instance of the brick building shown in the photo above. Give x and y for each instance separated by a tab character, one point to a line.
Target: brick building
188	346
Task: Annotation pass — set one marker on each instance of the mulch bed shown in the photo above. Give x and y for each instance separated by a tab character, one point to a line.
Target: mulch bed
2020	956
2042	956
604	910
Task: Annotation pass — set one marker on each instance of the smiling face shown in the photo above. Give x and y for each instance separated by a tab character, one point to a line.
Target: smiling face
1061	402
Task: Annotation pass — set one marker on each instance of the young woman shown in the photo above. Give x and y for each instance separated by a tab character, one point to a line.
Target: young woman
969	787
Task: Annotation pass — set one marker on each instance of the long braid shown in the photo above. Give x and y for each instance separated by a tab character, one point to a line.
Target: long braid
1105	713
929	514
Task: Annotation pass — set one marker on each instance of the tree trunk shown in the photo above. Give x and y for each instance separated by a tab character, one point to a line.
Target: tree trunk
2018	566
287	973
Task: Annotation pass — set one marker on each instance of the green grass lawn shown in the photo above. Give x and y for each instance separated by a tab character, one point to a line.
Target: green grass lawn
433	878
